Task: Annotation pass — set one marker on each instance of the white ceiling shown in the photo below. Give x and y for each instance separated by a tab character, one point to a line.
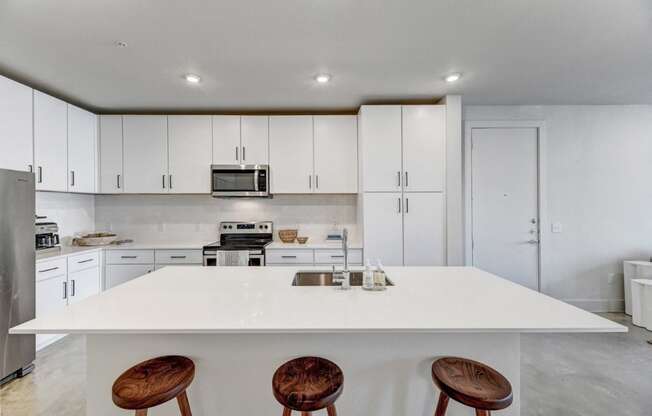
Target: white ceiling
263	54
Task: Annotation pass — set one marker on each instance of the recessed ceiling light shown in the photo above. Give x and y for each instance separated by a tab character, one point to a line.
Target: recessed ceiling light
192	78
323	78
121	44
453	77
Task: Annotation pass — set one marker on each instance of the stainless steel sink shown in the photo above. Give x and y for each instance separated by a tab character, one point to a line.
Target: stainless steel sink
318	278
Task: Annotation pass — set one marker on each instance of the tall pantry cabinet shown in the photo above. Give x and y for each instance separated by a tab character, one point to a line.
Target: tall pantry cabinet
402	170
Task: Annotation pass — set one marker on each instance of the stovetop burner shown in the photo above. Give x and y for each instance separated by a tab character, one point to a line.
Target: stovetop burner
243	236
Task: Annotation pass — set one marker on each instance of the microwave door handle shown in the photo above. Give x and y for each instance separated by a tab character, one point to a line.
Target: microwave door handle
255	178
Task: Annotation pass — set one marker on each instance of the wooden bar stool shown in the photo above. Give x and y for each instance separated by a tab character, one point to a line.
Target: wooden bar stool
308	384
471	383
154	382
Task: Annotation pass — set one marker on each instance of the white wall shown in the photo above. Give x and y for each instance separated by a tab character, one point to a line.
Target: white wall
599	187
194	218
74	213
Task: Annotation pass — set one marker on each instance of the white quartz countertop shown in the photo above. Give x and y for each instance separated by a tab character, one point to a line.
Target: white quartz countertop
64	251
159	246
261	300
316	244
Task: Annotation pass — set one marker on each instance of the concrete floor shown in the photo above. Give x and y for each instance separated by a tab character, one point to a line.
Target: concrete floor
562	375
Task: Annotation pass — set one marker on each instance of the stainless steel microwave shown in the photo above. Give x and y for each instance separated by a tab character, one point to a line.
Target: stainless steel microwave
240	180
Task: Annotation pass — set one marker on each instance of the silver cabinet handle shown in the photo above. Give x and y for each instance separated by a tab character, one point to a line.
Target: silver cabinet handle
288	257
398	175
399	205
84	261
163	181
317	181
406	179
244	153
65	290
128	257
407	205
236	153
48	270
72	178
336	257
177	257
72	288
309	181
170	181
31	168
533	242
40	174
118	180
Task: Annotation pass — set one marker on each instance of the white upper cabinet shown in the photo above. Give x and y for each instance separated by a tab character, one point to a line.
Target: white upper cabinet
82	132
145	154
16	139
383	227
291	154
380	138
424	148
336	154
254	140
226	140
424	231
111	177
189	145
50	142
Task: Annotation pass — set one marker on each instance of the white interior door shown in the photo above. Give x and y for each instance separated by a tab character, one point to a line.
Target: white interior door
505	187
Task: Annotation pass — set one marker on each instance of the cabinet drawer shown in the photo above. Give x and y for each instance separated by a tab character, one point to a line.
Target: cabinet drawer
288	256
130	257
51	268
83	261
117	274
335	256
178	257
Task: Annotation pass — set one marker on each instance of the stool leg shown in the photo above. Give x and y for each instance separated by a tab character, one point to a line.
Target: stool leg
286	411
184	406
442	404
331	410
479	412
305	413
141	412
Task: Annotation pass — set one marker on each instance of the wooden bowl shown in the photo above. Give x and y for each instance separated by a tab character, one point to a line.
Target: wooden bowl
288	236
302	240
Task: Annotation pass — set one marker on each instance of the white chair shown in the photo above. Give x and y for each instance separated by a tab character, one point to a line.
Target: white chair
642	303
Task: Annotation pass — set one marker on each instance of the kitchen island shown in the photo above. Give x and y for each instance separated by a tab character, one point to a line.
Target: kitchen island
240	324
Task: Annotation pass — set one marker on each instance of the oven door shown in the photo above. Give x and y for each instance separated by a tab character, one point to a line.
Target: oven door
240	180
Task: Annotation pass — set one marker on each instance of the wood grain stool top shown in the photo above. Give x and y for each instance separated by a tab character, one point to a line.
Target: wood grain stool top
308	384
153	382
472	383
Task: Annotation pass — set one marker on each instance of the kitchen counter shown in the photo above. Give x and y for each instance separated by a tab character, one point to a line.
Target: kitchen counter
159	246
239	324
65	251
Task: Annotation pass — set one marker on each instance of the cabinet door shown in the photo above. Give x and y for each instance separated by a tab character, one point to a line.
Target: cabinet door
424	148
145	154
336	154
50	297
255	140
50	142
82	130
424	229
83	284
111	154
189	145
291	157
226	140
117	274
380	147
383	228
16	139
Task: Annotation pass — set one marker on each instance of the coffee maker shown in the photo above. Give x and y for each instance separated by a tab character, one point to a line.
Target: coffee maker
47	236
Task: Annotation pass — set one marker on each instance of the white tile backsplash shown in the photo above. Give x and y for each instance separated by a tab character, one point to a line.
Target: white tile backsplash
190	218
75	213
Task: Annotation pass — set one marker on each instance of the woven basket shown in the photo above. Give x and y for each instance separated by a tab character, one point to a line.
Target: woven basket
288	236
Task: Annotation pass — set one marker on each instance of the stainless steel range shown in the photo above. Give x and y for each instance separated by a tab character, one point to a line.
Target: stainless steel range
240	244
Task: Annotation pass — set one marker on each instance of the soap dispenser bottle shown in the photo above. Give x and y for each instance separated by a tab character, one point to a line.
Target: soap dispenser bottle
368	277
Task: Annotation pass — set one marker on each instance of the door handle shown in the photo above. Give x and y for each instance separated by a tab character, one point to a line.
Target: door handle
163	181
84	261
65	290
177	257
72	288
31	168
170	181
406	179
128	257
316	181
244	153
40	174
533	242
288	257
118	180
72	178
407	205
48	270
399	205
398	175
309	181
236	154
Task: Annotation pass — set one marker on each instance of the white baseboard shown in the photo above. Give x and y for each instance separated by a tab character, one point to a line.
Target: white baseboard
598	305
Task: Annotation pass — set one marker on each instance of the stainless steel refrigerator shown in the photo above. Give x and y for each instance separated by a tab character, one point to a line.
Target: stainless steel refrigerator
17	281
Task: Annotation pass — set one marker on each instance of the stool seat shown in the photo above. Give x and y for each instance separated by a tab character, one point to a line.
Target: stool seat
472	383
153	382
308	384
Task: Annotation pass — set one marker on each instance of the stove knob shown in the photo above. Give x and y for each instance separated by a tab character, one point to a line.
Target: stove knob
267	226
230	226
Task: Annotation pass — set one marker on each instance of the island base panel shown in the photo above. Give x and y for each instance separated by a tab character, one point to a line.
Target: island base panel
386	374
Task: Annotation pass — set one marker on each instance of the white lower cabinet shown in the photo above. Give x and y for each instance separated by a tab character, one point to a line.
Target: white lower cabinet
51	296
83	284
311	257
423	229
383	227
116	274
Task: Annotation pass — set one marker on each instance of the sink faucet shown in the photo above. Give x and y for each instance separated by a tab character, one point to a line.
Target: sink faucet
344	276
